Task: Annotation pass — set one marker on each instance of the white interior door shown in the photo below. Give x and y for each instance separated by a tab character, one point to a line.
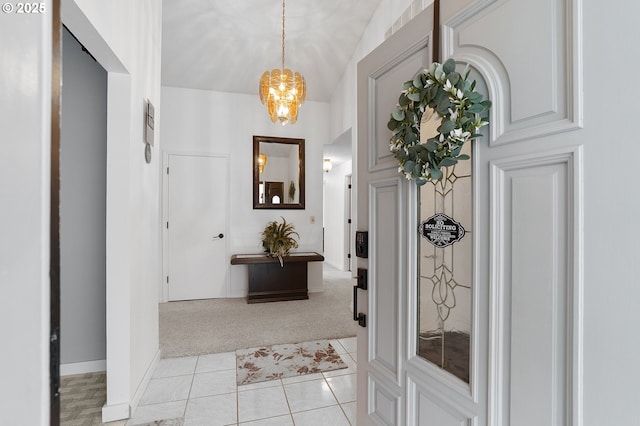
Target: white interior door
525	342
197	225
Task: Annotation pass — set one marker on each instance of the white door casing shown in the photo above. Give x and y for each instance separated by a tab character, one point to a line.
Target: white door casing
196	241
526	344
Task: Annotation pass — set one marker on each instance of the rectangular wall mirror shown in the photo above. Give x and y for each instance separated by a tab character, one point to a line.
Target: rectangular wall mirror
278	173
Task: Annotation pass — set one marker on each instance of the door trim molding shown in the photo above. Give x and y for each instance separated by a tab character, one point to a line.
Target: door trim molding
54	217
391	371
567	54
500	269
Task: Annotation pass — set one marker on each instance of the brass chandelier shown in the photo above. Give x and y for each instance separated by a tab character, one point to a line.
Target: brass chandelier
282	90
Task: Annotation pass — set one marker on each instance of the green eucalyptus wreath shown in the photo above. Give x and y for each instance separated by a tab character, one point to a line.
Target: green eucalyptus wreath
452	97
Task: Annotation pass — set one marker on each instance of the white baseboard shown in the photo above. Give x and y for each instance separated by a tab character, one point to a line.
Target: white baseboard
112	413
83	367
143	384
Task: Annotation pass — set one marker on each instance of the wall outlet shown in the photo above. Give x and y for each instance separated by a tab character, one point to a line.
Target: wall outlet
313	220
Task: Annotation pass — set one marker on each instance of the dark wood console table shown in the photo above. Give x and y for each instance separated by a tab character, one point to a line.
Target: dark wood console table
269	282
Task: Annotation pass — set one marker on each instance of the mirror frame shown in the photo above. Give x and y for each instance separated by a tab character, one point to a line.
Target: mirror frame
256	173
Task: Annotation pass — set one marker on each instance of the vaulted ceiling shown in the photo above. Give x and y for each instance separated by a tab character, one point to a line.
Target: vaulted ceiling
226	45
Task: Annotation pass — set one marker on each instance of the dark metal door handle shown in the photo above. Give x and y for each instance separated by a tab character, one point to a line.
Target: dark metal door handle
358	316
219	236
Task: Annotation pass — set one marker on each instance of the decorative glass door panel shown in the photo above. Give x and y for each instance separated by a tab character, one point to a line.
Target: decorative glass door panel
445	265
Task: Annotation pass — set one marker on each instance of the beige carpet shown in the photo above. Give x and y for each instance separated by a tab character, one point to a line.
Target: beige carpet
224	325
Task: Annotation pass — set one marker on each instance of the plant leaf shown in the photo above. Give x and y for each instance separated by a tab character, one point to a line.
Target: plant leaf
436	174
447	126
417	81
476	108
411	138
453	78
446	162
449	66
408	166
415	96
474	96
439	73
443	106
398	114
431	145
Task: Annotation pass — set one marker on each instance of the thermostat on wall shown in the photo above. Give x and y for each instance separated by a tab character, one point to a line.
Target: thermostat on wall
149	123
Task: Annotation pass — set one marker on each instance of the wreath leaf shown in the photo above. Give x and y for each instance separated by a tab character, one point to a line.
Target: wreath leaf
451	95
446	162
398	114
447	126
415	97
449	66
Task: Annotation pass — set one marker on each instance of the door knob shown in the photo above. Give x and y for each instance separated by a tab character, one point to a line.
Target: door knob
219	236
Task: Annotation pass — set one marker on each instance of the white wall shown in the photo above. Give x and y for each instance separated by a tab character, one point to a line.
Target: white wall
335	215
25	130
125	37
343	100
83	188
207	122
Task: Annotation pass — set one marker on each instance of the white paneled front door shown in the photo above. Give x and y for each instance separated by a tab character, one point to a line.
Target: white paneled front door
525	290
384	198
196	227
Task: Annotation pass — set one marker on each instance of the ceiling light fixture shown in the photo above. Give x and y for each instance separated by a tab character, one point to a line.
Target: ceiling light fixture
326	165
282	90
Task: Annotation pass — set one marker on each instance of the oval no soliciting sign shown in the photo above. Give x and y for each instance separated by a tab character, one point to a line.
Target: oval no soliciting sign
441	230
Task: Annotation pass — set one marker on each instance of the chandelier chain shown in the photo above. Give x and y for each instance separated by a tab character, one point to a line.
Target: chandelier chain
282	35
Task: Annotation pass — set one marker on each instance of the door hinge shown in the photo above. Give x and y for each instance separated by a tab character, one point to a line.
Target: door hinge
349	186
167	170
348	255
54	363
167	279
348	220
167	225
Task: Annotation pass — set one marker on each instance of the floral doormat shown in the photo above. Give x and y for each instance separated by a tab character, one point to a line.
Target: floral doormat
280	361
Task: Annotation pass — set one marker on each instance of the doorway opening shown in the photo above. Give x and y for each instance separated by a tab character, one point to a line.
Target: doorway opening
82	209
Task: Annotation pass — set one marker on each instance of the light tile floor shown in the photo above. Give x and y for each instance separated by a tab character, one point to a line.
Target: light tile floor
203	391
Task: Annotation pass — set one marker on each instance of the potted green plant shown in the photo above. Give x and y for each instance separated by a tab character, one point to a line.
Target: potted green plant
278	239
